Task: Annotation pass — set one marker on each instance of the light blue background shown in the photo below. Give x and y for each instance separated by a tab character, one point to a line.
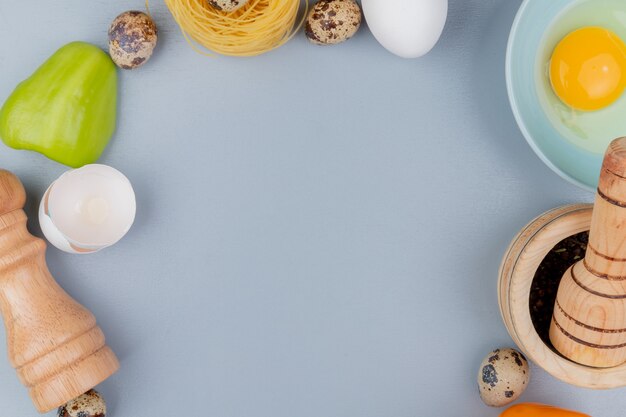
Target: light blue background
318	229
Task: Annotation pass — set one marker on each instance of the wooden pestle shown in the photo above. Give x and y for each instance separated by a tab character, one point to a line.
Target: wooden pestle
53	342
589	321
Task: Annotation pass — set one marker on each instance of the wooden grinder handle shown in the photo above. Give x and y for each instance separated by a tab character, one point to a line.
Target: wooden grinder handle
589	321
53	342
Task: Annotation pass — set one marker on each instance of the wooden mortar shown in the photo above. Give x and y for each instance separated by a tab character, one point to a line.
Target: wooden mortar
53	342
521	261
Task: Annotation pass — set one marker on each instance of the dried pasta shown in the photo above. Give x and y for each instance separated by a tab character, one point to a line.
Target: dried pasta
258	27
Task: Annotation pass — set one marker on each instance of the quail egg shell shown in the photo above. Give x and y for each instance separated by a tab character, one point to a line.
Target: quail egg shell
333	21
90	404
228	5
503	376
132	39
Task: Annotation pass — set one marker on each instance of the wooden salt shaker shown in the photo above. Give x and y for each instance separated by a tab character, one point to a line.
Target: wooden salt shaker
53	342
589	321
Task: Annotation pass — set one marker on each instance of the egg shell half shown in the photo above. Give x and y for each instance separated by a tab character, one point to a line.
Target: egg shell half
407	28
66	216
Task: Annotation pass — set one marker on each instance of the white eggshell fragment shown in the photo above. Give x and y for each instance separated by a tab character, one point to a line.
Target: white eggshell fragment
407	28
87	209
502	377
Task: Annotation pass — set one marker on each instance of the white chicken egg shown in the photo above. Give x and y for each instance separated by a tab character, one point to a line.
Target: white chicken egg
407	28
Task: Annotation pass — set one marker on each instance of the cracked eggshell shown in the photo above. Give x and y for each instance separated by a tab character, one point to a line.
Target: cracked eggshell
503	376
333	21
132	39
407	28
87	209
228	5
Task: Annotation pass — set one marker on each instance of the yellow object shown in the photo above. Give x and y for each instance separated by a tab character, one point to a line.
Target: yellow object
588	68
538	410
256	28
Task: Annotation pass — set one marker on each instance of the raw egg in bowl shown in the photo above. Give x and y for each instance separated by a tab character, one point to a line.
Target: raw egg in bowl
566	79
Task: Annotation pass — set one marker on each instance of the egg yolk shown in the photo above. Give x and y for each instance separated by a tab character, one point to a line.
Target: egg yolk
588	68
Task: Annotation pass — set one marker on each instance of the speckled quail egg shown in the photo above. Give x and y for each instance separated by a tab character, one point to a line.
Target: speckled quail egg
333	21
90	404
228	5
503	376
132	39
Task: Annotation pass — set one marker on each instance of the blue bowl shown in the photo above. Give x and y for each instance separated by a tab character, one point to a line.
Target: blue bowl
572	163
